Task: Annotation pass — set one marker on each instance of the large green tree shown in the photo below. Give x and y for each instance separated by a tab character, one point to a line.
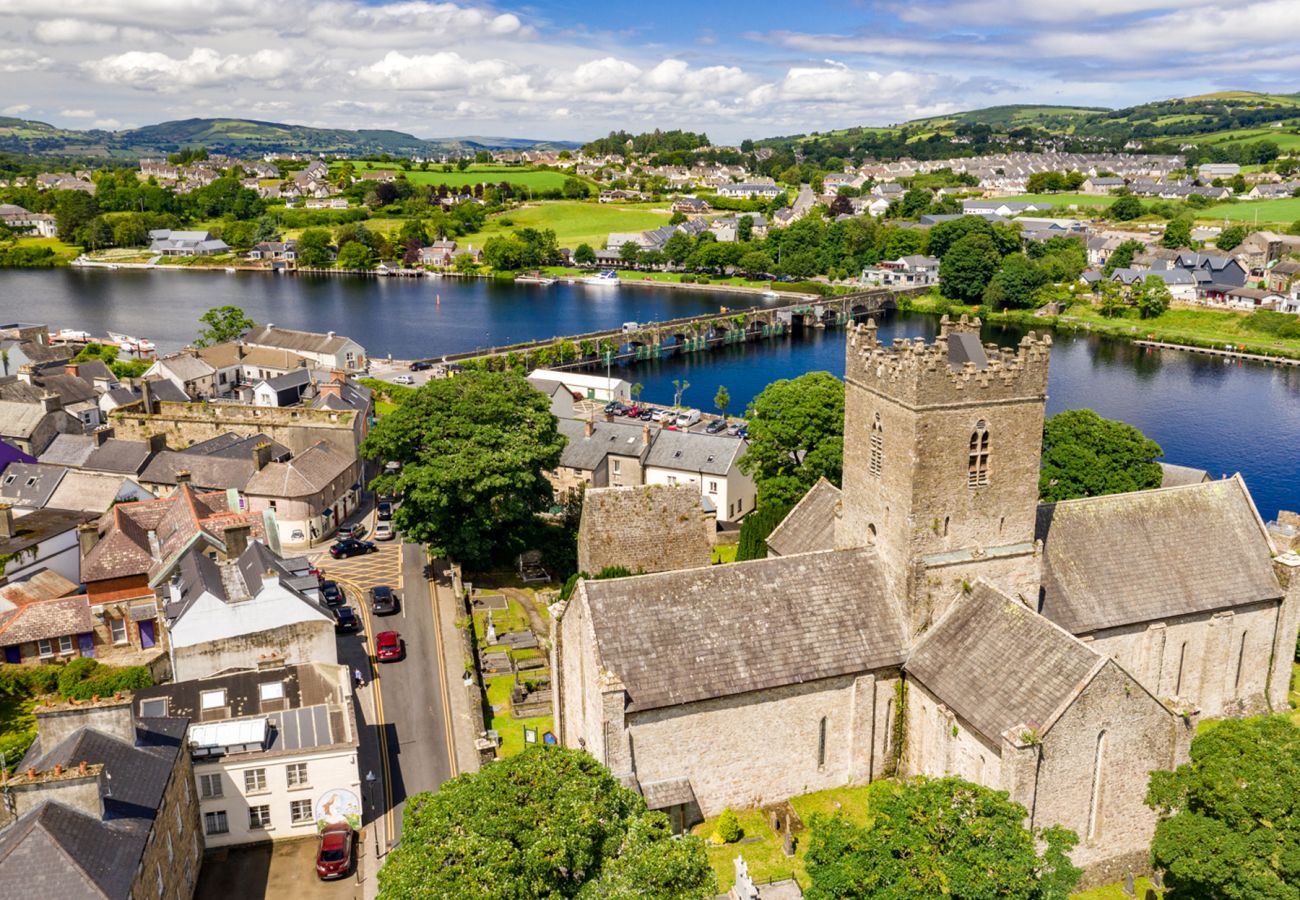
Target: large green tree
473	451
547	823
224	323
314	248
967	267
1085	455
1230	825
939	838
796	435
1014	284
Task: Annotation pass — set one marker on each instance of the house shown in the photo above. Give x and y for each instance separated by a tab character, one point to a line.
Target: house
309	494
725	228
440	253
166	242
1218	170
103	806
235	613
707	461
1102	185
306	387
53	630
1181	283
238	366
328	351
748	190
77	394
28	487
188	371
592	387
1284	276
1252	298
1266	191
41	539
691	206
997	207
904	272
600	454
18	219
274	749
31	418
1261	248
275	250
1215	275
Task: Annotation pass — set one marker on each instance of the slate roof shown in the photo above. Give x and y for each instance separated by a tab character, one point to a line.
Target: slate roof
19	419
1151	555
964	347
810	526
119	456
586	453
1177	476
999	665
227	354
30	485
41	525
45	619
166	389
694	634
232	581
299	341
691	451
187	366
237	446
92	491
310	472
206	472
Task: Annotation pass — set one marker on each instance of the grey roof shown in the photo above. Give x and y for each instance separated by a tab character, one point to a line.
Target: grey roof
678	637
1151	555
39	526
166	389
232	581
587	453
298	341
237	446
68	450
668	792
206	472
30	484
94	491
999	665
119	456
187	366
964	347
308	473
20	420
1177	476
810	526
692	451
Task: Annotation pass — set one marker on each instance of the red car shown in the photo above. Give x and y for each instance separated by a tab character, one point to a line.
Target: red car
388	646
334	858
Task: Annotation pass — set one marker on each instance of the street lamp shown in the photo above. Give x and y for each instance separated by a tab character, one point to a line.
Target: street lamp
374	823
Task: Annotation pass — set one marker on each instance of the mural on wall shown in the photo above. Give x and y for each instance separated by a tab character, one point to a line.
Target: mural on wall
338	805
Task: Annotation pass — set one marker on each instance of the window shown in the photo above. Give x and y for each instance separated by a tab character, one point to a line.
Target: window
212	699
713	487
821	742
672	480
153	708
300	811
618	466
44	647
118	627
210	786
272	690
1094	806
259	817
297	774
977	470
65	644
215	822
254	780
877	447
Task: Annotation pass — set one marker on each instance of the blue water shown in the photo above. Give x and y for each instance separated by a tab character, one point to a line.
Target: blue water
1205	413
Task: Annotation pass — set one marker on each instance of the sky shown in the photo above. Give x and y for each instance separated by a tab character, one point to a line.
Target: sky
576	69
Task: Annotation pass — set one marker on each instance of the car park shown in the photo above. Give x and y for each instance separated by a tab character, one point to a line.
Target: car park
383	602
351	547
717	426
734	428
384	531
332	594
658	415
388	646
687	418
334	855
632	411
384	510
345	620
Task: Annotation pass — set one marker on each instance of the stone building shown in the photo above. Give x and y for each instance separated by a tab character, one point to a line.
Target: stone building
652	528
931	617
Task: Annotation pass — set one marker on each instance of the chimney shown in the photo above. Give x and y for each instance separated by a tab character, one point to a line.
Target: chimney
645	434
330	389
87	538
73	369
25	372
110	715
6	522
50	401
237	540
146	396
184	476
302	362
102	434
239	350
261	455
588	428
157	443
80	788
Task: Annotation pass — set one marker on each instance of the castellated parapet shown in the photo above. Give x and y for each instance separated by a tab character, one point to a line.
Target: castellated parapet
918	374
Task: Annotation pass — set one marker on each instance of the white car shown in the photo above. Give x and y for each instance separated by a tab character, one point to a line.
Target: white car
688	418
383	531
403	379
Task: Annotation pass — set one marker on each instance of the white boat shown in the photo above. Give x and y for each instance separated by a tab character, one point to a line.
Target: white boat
230	270
132	344
69	335
608	277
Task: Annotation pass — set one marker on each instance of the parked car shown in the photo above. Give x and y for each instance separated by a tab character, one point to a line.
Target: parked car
613	407
334	855
717	426
356	531
659	414
351	547
420	366
734	427
384	510
388	646
688	418
632	411
647	413
384	531
332	594
403	379
345	619
383	602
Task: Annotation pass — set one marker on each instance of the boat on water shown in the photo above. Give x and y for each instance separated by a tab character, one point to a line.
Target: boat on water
70	336
139	346
535	279
230	270
608	277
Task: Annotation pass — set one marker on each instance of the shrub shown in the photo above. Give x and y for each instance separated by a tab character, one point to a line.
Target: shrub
728	828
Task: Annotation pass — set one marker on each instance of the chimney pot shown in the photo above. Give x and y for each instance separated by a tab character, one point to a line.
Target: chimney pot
31	772
588	428
117	695
82	768
94	698
58	770
73	369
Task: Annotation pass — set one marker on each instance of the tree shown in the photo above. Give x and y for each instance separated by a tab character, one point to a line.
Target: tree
722	399
1178	233
575	189
470	486
967	267
745	229
679	387
796	436
546	823
356	255
1122	256
464	263
483	157
1085	455
941	837
628	252
225	323
584	255
1126	208
462	164
1111	299
314	248
728	828
1014	283
1230	817
1154	297
755	262
1231	237
677	248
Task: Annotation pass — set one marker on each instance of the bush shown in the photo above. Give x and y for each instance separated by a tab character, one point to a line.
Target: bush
1267	321
728	828
755	528
84	678
688	279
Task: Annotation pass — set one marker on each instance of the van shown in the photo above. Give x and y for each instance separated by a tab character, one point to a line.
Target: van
629	327
688	418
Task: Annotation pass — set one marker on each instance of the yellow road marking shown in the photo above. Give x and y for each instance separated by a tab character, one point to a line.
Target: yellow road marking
449	725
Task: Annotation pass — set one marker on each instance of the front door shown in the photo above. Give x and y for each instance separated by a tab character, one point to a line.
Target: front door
13	655
87	642
146	634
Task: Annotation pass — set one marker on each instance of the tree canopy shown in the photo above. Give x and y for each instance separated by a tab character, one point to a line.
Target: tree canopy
1085	455
545	823
1230	825
944	837
474	450
225	323
796	435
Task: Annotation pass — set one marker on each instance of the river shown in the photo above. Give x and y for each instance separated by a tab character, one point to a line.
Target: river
1223	417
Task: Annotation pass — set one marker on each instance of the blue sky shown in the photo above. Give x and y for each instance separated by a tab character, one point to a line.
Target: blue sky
577	69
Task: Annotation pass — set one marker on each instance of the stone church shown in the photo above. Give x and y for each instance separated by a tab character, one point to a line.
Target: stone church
931	617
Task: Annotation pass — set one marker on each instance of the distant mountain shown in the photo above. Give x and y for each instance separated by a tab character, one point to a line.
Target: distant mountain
240	137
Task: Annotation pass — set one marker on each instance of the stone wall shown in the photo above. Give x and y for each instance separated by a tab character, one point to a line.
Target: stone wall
298	643
577	668
184	424
652	528
941	743
171	861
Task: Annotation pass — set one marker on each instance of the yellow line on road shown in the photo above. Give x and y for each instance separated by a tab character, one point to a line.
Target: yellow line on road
449	725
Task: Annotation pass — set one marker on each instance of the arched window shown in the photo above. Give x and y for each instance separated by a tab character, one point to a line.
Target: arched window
877	446
977	472
871	533
889	725
1094	804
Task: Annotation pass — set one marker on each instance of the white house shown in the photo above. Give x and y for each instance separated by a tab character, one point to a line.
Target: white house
707	460
42	539
274	749
230	615
328	351
166	242
593	387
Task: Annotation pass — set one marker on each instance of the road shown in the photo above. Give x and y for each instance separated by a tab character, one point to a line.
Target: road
405	738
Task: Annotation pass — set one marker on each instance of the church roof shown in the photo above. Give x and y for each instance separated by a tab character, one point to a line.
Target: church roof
999	665
1150	555
810	526
679	637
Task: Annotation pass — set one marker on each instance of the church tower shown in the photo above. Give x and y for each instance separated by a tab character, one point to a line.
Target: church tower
941	456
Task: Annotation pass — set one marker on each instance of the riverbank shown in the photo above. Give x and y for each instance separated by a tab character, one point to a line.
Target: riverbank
1183	324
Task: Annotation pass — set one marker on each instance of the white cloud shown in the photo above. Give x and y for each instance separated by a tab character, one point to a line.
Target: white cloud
16	109
436	72
14	60
204	67
73	31
77	113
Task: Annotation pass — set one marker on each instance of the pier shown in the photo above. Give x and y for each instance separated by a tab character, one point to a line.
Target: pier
1226	354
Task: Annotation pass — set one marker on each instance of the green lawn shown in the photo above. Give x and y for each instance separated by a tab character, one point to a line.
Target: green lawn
1142	890
1284	137
536	179
1190	325
62	250
1284	211
574	222
1063	199
498	687
725	553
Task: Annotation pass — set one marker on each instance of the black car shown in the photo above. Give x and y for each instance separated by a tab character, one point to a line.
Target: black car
614	408
419	366
647	413
385	510
383	602
331	593
716	426
346	620
351	547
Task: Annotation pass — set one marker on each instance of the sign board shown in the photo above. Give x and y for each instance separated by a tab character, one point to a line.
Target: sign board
338	805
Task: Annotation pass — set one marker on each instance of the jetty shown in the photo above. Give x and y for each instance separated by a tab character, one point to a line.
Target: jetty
1225	353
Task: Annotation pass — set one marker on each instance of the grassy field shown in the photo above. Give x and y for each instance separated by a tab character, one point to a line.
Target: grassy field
575	222
1285	137
64	251
530	178
499	687
1284	211
1063	199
